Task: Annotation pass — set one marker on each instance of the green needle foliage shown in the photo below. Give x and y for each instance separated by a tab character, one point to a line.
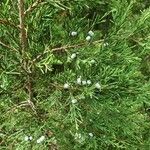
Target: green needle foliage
62	90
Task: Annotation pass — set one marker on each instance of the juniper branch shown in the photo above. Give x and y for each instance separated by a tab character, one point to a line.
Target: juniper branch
22	25
63	48
33	6
23	42
7	46
7	22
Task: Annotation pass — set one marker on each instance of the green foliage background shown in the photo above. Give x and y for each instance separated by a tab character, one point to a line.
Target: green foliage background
118	115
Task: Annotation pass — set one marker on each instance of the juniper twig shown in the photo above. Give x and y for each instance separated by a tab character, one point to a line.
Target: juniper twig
33	6
7	46
63	48
8	23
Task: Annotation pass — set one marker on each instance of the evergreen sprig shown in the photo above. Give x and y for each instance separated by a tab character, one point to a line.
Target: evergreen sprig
74	74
